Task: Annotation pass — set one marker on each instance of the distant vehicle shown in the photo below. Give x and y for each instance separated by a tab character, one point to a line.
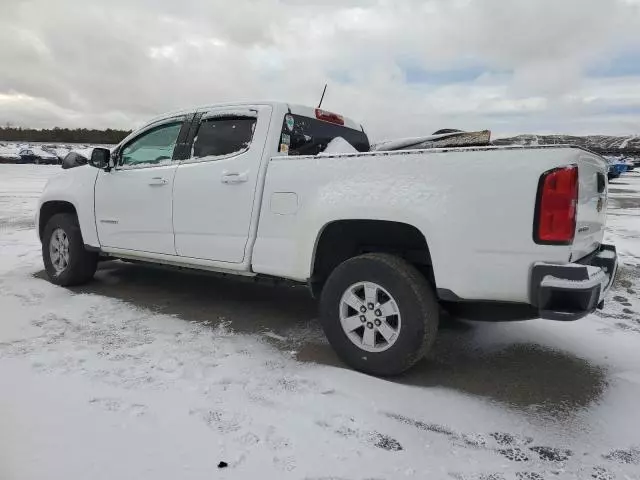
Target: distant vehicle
615	167
29	155
628	162
9	157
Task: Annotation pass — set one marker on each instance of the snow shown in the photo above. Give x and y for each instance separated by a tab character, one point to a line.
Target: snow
94	385
248	113
338	146
48	150
554	282
42	153
607	254
626	141
9	151
624	223
160	163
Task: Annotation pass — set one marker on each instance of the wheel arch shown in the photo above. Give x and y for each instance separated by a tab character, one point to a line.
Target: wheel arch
339	240
49	209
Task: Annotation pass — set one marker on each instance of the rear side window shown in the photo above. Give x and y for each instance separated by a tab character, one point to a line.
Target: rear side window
223	136
310	136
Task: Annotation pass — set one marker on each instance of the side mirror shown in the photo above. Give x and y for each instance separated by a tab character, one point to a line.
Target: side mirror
73	159
100	158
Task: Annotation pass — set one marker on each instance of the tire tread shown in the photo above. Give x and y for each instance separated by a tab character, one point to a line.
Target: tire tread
427	306
83	263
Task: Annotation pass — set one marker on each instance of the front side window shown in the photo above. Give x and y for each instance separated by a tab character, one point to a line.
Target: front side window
222	136
152	147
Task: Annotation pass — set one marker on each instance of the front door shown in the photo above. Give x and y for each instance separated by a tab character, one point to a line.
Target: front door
133	201
215	189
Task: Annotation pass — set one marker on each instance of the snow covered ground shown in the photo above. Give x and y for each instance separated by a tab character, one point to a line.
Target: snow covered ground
9	150
151	374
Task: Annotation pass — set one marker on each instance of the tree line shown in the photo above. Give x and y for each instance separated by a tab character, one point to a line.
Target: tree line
62	135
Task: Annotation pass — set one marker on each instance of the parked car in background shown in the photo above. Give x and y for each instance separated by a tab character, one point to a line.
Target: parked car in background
615	167
37	156
628	162
8	154
27	156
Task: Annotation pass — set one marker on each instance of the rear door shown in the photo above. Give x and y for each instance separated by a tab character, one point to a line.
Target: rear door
215	188
133	201
592	205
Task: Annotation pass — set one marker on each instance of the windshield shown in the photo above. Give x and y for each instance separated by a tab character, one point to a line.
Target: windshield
309	136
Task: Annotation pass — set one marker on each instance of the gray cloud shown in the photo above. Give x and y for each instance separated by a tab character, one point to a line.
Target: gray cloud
116	63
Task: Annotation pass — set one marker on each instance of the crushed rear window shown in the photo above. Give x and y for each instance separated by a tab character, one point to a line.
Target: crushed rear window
310	136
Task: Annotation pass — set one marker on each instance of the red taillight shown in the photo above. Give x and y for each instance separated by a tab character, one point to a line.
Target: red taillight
555	221
329	117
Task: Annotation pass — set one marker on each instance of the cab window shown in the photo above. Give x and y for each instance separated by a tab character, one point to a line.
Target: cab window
223	136
152	147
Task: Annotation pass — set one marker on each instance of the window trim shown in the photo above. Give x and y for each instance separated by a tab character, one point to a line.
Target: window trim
117	154
213	116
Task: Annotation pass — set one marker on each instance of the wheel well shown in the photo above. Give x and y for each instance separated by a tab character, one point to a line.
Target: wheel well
49	209
345	239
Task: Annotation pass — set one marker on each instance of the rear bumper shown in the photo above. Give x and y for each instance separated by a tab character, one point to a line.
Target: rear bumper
572	291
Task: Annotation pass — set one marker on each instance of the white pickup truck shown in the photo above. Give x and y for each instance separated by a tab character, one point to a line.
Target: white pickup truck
385	239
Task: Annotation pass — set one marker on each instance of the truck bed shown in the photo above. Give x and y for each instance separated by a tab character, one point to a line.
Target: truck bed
475	207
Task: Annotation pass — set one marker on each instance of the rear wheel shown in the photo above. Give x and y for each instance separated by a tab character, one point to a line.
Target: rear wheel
66	260
379	313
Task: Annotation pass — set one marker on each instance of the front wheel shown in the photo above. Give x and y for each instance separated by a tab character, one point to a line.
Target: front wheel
379	313
66	260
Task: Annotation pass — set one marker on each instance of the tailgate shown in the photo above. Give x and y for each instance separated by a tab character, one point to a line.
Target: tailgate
592	205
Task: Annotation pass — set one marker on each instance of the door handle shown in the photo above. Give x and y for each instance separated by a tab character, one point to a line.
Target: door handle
158	181
234	177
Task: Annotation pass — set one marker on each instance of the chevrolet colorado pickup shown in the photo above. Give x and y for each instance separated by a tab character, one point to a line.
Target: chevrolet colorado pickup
384	239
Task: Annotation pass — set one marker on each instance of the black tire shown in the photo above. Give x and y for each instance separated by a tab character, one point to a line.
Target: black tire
416	302
82	263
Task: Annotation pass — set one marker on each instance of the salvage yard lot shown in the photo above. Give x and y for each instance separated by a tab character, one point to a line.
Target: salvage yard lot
147	373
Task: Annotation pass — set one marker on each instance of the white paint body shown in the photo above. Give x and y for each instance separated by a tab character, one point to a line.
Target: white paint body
474	206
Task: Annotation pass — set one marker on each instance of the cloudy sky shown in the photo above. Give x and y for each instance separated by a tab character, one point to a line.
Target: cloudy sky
401	67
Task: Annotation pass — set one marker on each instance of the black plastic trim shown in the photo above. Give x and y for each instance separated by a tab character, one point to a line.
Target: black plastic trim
547	303
91	248
447	295
606	264
566	272
181	151
487	311
568	304
601	181
183	147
